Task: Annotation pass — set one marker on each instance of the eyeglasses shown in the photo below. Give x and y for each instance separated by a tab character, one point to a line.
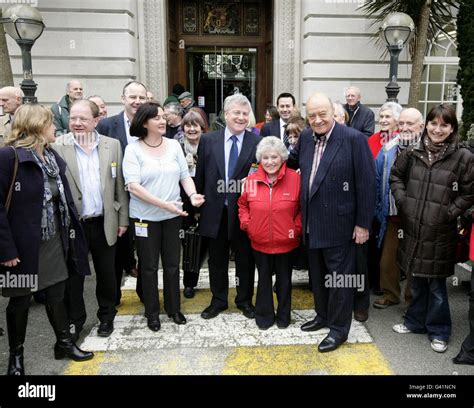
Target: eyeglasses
82	120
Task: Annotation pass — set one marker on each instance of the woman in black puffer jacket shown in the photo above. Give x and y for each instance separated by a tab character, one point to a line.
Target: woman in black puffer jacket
432	183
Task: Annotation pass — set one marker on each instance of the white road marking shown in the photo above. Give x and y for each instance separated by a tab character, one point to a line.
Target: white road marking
226	330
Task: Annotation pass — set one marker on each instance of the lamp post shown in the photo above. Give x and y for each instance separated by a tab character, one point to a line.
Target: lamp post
24	24
396	30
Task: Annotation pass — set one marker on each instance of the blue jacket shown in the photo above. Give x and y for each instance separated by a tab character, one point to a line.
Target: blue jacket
383	166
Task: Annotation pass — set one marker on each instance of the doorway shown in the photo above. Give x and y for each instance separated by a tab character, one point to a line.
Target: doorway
220	48
216	73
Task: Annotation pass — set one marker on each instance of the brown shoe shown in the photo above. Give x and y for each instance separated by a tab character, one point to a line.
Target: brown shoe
133	273
383	303
361	315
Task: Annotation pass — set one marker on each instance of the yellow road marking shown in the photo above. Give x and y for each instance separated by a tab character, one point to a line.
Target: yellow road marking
302	299
349	359
90	367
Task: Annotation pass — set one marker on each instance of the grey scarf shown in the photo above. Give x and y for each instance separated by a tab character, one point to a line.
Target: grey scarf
50	168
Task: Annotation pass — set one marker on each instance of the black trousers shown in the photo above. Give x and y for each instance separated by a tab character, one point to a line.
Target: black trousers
281	265
103	258
362	297
163	238
333	295
468	344
219	266
124	260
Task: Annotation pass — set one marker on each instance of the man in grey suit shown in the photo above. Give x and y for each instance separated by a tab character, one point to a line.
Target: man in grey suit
94	172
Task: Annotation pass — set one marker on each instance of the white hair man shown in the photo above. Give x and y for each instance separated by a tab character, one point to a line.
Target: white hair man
11	98
74	91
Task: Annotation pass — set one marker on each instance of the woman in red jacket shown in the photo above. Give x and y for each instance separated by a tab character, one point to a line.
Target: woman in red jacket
269	212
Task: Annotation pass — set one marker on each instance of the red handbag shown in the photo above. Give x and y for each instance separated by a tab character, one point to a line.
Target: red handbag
463	252
471	245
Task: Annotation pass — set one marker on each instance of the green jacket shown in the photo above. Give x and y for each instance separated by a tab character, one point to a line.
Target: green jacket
61	115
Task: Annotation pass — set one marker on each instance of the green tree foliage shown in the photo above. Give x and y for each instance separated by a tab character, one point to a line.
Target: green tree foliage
429	16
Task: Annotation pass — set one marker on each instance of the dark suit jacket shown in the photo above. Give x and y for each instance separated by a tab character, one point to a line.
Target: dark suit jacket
271	129
20	229
343	191
210	180
363	120
114	127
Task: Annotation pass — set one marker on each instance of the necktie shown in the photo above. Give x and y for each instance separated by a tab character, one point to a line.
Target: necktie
233	157
318	154
285	136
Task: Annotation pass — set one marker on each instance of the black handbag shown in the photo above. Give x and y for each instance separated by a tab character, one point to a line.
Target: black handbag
191	250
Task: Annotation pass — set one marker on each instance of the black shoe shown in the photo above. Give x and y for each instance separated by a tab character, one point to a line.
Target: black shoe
211	311
264	327
313	325
154	325
188	292
105	329
248	311
65	347
15	362
282	325
329	344
178	318
463	358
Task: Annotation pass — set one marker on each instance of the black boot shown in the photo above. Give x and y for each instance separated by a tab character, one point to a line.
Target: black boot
64	346
16	328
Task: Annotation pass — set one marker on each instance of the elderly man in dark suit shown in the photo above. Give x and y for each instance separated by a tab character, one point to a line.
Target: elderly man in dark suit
286	106
225	157
337	201
118	127
360	116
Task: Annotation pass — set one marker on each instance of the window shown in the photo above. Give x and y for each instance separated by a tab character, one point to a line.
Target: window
438	84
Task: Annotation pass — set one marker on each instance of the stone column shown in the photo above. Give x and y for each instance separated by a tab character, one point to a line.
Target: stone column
286	48
154	48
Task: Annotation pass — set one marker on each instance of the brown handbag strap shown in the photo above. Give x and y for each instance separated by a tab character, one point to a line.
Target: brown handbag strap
10	191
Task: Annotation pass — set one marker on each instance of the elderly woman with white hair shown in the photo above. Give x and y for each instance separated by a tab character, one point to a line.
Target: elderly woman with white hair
389	116
269	211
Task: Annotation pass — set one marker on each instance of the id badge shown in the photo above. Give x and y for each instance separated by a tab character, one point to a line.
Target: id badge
253	169
141	230
113	167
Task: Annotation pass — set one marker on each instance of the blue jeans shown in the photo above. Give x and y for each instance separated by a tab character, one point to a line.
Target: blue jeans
429	308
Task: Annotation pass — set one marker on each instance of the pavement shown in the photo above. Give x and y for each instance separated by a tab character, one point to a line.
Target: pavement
233	345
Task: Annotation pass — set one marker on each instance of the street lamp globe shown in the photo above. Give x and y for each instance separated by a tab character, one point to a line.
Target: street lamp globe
25	25
396	31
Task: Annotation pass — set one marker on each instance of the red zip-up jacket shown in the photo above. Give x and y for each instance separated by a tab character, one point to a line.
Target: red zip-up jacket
271	216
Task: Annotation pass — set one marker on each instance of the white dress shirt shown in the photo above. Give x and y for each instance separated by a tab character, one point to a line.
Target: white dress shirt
126	123
89	173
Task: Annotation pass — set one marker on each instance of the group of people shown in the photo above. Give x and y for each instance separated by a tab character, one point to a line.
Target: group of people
105	186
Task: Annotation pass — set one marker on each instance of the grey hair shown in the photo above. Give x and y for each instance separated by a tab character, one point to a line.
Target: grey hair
356	89
339	109
394	107
237	99
15	90
68	85
271	143
175	107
